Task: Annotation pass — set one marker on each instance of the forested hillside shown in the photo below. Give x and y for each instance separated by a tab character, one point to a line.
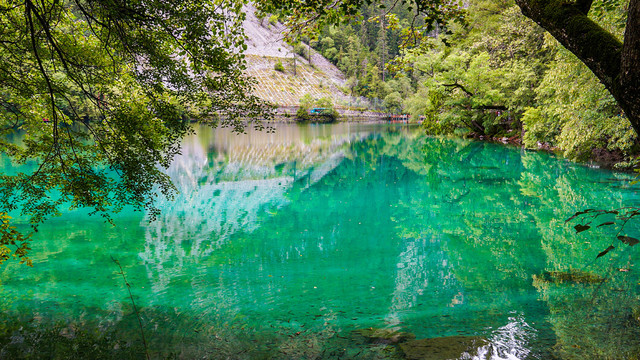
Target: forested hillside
498	75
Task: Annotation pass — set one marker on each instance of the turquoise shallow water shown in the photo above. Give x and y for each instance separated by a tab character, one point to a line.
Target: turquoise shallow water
282	245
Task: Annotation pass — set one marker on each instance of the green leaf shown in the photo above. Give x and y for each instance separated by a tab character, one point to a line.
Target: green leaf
578	214
628	240
571	218
611	247
580	228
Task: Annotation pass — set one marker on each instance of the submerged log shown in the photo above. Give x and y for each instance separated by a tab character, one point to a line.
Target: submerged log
569	276
443	348
384	336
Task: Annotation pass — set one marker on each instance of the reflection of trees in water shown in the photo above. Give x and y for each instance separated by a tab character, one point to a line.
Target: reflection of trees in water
589	320
594	321
384	169
430	274
423	271
512	217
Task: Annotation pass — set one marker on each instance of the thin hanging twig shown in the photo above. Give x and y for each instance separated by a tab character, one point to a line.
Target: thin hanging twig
135	308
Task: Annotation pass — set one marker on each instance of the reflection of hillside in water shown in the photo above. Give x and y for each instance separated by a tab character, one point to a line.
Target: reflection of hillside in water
228	181
422	267
220	155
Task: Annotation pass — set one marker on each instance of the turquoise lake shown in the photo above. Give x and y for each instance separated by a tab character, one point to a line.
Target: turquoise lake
287	245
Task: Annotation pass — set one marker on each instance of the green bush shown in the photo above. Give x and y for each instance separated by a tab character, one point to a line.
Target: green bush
301	50
302	115
327	115
393	103
278	66
273	19
331	54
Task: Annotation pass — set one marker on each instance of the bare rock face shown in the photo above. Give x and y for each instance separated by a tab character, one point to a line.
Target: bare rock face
264	38
443	348
296	76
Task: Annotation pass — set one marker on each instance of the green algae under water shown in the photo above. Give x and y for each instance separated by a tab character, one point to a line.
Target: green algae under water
287	245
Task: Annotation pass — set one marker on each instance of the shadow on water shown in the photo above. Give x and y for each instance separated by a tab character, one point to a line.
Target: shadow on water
291	245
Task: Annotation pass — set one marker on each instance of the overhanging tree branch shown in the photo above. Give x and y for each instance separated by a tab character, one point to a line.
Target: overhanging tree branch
584	5
612	62
112	66
459	86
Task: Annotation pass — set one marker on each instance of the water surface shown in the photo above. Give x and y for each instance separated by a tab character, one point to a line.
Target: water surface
284	245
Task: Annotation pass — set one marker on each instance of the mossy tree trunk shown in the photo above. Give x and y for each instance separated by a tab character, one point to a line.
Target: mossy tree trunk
630	72
616	64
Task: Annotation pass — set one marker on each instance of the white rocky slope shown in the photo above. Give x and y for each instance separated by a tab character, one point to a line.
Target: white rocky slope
266	47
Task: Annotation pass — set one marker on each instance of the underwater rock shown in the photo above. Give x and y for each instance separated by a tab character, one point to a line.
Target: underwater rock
569	276
384	336
442	348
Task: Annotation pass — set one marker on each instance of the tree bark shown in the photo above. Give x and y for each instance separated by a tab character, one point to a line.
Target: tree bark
630	69
617	65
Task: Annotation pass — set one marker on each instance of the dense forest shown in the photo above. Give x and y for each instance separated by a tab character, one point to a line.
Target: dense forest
495	75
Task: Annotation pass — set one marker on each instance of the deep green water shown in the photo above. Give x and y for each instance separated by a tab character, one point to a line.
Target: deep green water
281	245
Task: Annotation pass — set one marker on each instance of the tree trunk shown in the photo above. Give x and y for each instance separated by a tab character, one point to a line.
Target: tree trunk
382	38
630	69
617	65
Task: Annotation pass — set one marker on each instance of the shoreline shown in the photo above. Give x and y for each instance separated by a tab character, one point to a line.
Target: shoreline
601	158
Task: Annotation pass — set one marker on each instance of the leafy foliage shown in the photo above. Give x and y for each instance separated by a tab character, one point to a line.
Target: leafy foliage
490	71
325	111
9	238
575	113
102	93
306	16
620	218
278	66
504	76
481	79
362	38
